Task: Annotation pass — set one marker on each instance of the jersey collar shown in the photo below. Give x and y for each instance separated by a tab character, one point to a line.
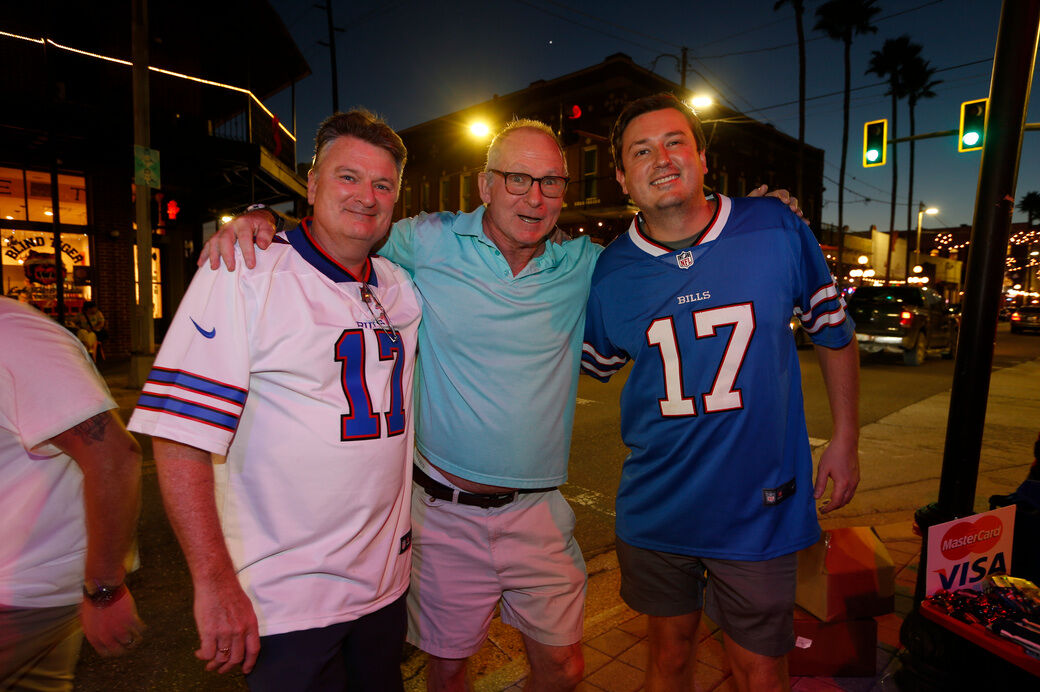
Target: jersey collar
303	242
711	232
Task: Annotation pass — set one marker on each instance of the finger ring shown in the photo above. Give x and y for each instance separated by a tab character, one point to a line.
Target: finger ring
226	650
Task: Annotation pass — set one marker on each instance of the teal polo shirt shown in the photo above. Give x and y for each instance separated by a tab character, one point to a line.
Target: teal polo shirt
499	355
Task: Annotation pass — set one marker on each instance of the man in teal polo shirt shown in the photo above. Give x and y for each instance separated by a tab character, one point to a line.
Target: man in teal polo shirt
500	346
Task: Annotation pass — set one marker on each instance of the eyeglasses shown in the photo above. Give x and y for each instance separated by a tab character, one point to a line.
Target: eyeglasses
520	183
372	303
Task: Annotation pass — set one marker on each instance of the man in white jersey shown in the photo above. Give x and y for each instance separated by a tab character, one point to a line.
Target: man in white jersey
280	404
70	477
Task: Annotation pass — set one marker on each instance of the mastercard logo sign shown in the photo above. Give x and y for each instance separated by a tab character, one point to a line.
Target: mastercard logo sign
967	537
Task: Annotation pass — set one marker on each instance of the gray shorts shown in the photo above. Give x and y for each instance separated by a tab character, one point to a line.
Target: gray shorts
752	601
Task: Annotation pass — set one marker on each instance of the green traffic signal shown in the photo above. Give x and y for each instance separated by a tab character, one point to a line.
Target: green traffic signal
973	125
875	139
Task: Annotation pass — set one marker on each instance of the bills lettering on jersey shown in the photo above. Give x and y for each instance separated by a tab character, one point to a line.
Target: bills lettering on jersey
694	297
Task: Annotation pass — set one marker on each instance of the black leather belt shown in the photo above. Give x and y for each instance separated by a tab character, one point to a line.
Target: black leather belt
483	500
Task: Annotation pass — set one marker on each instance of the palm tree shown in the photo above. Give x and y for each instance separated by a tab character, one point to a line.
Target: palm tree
891	63
799	10
840	20
918	82
1030	206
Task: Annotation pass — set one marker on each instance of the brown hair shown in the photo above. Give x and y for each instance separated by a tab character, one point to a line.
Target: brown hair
363	125
648	104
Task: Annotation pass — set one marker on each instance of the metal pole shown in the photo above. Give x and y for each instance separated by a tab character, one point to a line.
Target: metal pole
332	57
52	146
917	250
682	71
143	337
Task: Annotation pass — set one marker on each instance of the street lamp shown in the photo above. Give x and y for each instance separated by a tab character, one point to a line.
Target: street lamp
701	101
479	129
921	211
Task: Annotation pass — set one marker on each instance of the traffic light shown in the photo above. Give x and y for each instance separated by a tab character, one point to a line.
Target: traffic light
570	121
973	125
875	140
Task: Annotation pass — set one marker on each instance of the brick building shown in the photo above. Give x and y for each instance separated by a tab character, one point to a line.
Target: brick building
444	157
66	136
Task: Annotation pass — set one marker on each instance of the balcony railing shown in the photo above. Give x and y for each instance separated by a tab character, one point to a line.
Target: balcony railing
255	126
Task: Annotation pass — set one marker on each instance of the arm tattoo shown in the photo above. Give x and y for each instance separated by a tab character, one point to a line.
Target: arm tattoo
93	429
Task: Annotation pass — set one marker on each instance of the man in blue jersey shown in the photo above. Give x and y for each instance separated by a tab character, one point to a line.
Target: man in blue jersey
717	490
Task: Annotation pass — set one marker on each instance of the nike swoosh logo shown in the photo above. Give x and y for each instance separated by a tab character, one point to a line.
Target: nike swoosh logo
209	335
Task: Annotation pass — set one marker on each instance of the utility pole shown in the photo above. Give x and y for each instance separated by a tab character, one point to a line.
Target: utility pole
680	64
332	56
682	69
142	335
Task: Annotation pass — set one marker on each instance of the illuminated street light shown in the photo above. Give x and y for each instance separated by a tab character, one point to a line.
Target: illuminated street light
701	101
921	211
226	219
855	273
479	129
863	259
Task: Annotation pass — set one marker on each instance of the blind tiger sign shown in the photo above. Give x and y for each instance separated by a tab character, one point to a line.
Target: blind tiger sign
962	552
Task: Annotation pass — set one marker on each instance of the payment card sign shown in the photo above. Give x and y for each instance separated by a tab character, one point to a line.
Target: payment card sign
963	551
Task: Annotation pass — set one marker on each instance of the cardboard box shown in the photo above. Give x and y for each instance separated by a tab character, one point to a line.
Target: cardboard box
836	649
848	574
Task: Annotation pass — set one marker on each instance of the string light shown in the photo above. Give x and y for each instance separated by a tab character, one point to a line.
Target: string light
171	73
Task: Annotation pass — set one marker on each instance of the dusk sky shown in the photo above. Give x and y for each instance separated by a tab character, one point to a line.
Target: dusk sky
414	60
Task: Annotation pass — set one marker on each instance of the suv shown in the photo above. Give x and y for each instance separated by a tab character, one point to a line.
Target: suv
911	320
1025	318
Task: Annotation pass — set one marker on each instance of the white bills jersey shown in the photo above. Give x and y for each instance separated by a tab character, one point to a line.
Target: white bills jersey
301	374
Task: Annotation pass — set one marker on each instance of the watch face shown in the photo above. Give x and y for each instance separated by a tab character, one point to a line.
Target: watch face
100	594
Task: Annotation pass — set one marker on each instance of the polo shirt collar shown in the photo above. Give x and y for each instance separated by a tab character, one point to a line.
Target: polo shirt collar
550	257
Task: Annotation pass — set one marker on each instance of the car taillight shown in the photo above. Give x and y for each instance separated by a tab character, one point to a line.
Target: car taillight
904	318
1015	317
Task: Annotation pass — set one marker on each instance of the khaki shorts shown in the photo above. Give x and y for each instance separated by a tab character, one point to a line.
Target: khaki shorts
39	647
465	560
752	601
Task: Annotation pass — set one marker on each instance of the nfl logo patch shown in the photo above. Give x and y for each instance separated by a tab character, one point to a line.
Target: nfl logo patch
685	259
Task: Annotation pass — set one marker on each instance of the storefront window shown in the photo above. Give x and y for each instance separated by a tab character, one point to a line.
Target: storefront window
30	274
26	196
156	283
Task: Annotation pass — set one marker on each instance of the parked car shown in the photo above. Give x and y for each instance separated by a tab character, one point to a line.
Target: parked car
1025	318
910	320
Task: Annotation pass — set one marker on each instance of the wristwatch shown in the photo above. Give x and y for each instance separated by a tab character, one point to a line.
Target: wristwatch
102	595
279	221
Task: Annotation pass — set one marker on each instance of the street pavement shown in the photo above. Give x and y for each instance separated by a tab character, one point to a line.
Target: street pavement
901	459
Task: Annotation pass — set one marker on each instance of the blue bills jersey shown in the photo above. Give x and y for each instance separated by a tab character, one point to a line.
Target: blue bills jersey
712	413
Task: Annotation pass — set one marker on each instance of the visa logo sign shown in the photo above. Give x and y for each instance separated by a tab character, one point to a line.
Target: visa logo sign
968	573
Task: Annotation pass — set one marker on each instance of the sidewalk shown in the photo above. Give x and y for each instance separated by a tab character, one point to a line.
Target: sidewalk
900	456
